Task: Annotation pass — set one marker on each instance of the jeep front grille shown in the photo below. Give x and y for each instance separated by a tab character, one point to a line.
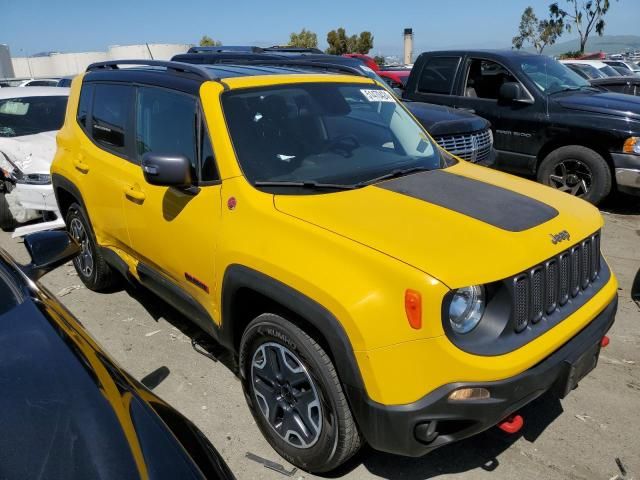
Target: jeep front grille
473	147
549	286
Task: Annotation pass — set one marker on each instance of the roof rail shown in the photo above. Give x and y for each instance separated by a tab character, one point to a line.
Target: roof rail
292	49
294	63
170	66
226	48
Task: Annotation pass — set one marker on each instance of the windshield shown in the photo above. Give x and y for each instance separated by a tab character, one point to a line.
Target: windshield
31	115
609	71
339	134
551	76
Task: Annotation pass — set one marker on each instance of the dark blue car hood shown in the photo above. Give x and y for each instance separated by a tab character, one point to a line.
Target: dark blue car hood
442	121
608	103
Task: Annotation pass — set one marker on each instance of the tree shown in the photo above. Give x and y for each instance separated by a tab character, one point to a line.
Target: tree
340	43
379	60
305	39
207	41
538	33
584	15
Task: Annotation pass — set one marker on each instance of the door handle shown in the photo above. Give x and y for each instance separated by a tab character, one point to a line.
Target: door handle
135	194
81	166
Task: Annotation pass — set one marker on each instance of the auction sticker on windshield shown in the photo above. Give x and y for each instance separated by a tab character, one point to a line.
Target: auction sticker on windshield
378	95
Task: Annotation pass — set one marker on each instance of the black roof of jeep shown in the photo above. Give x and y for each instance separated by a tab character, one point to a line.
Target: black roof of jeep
188	77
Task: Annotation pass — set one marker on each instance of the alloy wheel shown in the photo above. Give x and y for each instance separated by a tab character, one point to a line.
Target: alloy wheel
84	261
286	395
572	176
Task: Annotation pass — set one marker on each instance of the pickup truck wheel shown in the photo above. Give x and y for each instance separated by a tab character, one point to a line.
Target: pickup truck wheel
7	222
578	171
295	396
92	269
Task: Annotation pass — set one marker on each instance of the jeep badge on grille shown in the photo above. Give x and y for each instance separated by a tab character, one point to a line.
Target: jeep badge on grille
559	237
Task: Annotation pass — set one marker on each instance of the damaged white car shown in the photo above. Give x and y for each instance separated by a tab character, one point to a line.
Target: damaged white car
29	121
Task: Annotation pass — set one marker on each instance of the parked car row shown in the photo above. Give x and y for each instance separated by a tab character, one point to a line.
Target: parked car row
308	223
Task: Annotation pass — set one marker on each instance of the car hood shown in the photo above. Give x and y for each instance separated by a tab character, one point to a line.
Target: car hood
463	225
443	121
608	103
30	153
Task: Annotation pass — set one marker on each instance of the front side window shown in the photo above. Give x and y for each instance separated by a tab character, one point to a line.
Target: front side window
551	76
111	111
166	122
438	74
31	115
341	134
485	78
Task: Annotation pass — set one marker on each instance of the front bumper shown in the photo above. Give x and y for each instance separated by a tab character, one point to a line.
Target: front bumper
409	429
36	197
627	170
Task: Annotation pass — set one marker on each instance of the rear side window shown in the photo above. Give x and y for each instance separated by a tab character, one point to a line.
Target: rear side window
86	95
111	111
166	122
438	74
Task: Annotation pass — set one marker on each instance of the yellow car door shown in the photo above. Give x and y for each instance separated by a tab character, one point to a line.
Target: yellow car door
103	159
173	232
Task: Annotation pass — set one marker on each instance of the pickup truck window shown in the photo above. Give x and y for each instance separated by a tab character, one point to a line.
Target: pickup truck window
550	76
484	79
438	74
339	134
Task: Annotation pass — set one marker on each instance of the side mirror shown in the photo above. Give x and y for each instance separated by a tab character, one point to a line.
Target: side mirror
48	250
513	92
167	170
635	289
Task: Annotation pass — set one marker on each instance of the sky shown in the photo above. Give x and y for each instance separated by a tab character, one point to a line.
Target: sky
32	26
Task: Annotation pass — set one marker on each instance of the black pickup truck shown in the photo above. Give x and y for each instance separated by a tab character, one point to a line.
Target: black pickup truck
547	120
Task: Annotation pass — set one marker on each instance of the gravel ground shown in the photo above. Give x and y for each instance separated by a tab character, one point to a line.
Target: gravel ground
578	438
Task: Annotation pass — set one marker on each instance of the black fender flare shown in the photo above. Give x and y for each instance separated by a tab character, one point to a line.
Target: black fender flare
238	276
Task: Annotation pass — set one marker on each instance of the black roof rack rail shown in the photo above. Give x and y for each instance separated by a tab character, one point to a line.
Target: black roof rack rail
292	49
170	66
226	48
293	63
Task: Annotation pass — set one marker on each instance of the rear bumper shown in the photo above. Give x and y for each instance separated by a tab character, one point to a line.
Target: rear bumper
409	429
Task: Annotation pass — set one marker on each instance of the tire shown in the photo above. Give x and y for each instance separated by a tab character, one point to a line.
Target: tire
577	170
7	222
332	435
91	266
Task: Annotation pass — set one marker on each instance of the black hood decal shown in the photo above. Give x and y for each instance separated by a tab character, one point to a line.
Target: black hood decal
488	203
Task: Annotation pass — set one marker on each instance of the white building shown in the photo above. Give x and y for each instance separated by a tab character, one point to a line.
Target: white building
63	64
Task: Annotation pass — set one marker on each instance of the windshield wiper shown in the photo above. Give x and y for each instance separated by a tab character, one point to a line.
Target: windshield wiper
392	174
306	184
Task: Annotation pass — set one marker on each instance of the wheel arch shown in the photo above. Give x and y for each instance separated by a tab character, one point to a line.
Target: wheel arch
247	293
566	141
66	194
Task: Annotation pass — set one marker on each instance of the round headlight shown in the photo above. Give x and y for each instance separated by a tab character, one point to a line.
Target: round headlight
466	309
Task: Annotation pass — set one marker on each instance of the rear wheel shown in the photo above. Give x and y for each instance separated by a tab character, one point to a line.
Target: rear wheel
92	269
578	171
7	222
295	396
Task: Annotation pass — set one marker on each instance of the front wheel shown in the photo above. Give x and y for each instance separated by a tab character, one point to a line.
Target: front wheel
295	396
578	171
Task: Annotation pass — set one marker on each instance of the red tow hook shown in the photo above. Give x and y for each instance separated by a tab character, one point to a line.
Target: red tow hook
511	424
604	342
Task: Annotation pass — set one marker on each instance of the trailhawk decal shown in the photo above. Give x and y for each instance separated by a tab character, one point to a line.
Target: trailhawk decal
488	203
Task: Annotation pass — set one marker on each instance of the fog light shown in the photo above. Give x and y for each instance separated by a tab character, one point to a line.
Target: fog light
469	394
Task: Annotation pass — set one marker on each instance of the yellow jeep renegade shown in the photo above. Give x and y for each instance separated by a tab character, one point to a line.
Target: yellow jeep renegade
373	287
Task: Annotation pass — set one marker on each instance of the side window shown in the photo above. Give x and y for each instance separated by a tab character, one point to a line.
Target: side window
166	123
86	95
111	107
438	74
208	169
485	78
